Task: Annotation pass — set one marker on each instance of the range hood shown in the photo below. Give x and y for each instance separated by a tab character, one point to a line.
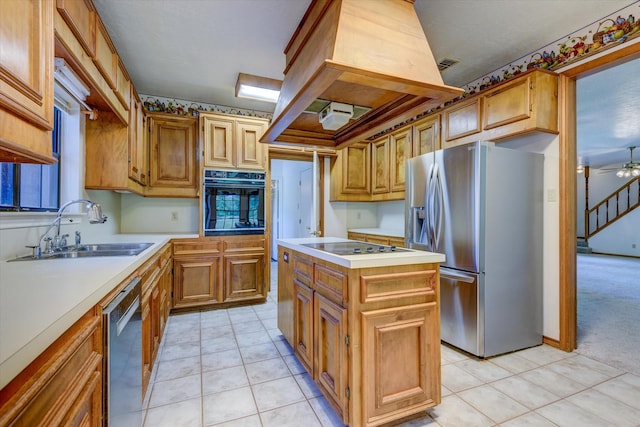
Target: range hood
372	55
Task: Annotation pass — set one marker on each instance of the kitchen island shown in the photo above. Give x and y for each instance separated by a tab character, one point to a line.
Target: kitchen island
366	326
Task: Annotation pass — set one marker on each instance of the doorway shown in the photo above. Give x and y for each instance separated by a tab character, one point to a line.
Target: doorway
292	204
567	185
608	308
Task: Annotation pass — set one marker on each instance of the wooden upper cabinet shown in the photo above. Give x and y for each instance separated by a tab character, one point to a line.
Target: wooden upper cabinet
400	151
138	152
356	169
123	84
232	142
461	120
172	144
524	104
250	152
26	80
380	166
217	137
80	15
106	57
426	135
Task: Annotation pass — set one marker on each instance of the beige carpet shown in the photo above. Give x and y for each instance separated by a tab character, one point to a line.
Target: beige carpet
609	310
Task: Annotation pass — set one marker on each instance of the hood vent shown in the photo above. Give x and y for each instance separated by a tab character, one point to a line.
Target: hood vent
446	63
372	55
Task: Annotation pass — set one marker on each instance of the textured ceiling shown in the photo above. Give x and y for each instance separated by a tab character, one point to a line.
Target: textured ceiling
194	49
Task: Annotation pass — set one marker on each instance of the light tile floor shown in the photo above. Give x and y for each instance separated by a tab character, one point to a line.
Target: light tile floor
232	367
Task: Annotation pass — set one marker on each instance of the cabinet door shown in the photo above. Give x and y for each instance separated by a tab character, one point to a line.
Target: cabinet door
244	276
173	152
400	151
303	324
217	137
461	120
510	103
356	169
106	57
197	280
248	147
137	147
426	136
380	166
26	80
400	360
331	355
80	16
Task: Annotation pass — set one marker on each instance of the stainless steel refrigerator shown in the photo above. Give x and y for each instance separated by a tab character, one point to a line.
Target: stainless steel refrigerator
482	206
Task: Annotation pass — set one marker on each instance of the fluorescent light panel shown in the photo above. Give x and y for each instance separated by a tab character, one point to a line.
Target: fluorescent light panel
258	88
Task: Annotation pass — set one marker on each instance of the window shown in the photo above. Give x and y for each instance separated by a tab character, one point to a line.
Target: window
31	187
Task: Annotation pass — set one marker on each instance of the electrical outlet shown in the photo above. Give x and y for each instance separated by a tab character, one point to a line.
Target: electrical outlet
633	245
174	216
358	215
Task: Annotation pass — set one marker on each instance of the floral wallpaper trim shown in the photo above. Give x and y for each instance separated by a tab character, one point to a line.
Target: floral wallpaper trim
591	39
617	28
182	107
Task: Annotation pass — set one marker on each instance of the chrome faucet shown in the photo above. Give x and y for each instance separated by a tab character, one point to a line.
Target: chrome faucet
94	213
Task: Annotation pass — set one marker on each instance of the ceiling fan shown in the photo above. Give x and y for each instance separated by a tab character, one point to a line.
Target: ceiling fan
628	169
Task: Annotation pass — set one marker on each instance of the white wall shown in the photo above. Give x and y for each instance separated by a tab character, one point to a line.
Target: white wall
18	230
620	237
158	215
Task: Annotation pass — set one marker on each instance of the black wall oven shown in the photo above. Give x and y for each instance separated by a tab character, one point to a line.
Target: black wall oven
233	202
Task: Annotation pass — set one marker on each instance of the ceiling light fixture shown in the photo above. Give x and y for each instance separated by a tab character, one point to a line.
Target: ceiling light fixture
629	169
258	88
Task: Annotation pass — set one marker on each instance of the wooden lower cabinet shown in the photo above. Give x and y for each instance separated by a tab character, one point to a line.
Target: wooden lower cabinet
377	239
389	336
216	271
197	281
63	386
243	276
155	274
369	337
303	324
331	353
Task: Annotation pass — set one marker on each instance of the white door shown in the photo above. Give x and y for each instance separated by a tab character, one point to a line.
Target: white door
276	225
305	203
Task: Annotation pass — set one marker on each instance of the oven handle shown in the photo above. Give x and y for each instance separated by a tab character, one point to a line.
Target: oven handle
226	184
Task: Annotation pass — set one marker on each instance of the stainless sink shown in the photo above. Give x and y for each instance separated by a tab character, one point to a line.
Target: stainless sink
92	250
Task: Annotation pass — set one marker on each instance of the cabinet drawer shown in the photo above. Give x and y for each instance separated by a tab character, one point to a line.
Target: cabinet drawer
197	247
303	269
331	283
254	243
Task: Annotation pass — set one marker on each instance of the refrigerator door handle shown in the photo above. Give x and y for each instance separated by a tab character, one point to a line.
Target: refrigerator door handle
459	277
438	206
425	230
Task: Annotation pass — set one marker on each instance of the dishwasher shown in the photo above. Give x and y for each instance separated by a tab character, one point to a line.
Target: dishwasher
122	320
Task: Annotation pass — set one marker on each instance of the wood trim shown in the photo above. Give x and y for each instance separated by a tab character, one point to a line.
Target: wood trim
567	213
567	208
550	341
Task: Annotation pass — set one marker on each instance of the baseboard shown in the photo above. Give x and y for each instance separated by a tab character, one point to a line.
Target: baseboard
551	341
623	256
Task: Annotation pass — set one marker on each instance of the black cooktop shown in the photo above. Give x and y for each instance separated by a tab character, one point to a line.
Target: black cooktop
353	247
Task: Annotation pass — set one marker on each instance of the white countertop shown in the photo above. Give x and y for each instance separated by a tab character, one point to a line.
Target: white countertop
385	259
379	232
40	300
